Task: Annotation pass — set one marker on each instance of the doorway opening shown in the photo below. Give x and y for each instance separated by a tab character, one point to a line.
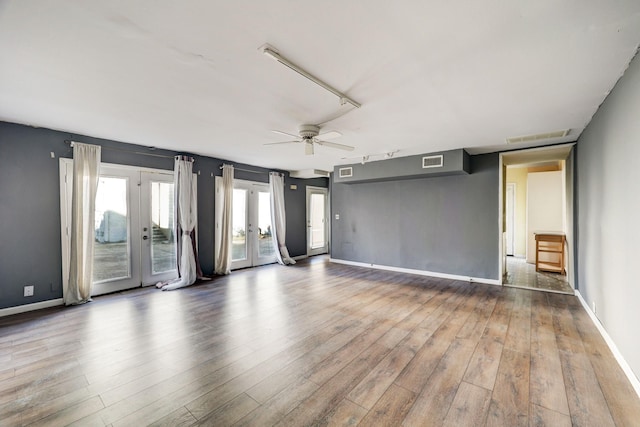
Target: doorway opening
537	202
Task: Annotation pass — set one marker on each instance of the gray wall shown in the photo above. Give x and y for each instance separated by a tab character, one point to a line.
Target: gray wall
30	251
454	162
608	206
444	224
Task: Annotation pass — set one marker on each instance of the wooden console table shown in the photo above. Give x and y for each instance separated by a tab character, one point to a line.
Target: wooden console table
550	243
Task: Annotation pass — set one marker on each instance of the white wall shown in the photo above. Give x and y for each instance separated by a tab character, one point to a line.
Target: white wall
608	210
545	207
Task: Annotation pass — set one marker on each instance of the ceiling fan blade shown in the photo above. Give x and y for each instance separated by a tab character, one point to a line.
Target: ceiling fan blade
283	142
335	145
285	133
330	134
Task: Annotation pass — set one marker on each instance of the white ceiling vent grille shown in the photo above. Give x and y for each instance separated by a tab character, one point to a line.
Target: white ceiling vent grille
432	162
538	136
345	172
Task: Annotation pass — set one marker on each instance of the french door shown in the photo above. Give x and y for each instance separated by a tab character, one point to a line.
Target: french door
157	218
252	236
317	221
134	227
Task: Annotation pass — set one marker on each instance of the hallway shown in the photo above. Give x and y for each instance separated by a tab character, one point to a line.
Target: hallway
520	274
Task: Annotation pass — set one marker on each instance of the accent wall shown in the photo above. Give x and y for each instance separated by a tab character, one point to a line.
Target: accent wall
445	224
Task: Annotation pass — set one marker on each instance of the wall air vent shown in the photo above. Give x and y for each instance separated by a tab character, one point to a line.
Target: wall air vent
345	172
538	136
432	162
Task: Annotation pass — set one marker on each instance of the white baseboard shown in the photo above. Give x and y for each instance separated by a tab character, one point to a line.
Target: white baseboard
418	272
635	383
31	307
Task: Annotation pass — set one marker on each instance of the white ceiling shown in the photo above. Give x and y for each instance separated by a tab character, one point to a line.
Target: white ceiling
431	76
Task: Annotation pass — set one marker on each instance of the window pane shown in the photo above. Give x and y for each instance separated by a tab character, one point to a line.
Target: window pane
111	249
239	225
317	221
265	237
163	243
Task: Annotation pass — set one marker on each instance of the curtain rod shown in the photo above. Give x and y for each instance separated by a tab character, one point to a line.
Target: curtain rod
68	141
248	170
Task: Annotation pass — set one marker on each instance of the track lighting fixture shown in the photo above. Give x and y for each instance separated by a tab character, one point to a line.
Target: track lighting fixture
273	53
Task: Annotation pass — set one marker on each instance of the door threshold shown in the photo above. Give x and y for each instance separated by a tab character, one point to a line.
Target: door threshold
531	288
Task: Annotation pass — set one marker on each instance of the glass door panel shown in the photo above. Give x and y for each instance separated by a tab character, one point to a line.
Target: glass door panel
163	242
111	246
317	221
159	249
239	225
317	226
115	266
265	235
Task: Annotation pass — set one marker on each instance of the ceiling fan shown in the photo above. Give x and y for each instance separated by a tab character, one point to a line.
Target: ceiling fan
309	135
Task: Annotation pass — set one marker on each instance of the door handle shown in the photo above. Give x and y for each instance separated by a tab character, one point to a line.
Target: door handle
145	237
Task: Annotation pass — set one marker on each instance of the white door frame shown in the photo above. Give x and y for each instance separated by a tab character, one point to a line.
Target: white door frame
569	220
149	277
325	192
510	202
247	261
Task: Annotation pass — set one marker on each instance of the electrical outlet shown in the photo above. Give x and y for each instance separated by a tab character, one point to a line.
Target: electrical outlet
28	291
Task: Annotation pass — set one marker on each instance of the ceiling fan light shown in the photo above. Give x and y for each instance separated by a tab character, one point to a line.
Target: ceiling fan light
308	148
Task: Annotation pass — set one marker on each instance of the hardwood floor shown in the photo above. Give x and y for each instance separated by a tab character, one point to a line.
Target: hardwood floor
313	344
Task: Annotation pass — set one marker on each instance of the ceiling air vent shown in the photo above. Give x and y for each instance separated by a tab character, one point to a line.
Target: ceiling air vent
538	136
345	172
432	162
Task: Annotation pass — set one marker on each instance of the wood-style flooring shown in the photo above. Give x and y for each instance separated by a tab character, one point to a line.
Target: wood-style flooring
313	344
